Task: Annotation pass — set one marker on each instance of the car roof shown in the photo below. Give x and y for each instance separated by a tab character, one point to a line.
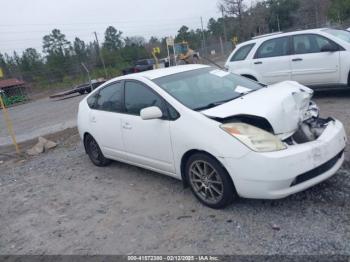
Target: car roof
157	73
261	38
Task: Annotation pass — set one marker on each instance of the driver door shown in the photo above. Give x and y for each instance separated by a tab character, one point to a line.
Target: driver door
311	66
147	142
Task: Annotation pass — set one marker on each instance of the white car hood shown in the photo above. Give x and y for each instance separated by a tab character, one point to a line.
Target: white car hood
284	105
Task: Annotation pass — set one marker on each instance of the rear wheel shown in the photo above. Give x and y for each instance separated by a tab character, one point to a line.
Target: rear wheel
94	152
209	181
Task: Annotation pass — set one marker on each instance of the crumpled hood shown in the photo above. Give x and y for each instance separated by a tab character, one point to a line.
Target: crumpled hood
284	105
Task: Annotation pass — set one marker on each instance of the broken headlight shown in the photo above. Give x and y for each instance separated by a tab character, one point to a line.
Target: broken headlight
255	138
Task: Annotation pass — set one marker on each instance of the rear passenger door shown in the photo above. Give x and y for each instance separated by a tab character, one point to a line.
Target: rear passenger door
105	118
238	59
311	66
271	60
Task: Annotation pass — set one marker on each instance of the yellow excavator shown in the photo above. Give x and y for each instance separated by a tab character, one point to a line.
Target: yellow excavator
185	55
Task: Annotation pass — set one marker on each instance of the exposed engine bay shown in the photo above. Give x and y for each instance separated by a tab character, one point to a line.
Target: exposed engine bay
310	128
308	131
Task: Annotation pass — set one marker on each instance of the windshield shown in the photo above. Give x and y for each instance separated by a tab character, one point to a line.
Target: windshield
206	87
341	34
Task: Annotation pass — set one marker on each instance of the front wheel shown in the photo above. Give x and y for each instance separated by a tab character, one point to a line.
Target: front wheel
94	152
209	181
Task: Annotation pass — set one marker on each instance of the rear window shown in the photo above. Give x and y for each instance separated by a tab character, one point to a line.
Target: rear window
109	98
242	53
274	47
340	34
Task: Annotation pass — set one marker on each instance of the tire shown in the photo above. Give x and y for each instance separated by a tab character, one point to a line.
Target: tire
195	60
209	181
94	152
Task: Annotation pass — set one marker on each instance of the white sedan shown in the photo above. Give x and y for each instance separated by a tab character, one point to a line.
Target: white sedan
221	134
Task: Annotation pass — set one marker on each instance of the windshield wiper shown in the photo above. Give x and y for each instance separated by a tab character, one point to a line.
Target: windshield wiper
213	104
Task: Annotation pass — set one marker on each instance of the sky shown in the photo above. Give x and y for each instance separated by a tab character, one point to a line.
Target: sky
23	23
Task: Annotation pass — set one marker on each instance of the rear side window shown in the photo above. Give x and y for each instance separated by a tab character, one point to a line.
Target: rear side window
109	98
304	44
274	47
138	97
242	53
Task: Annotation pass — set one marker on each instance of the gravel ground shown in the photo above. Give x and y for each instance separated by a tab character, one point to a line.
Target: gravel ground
59	203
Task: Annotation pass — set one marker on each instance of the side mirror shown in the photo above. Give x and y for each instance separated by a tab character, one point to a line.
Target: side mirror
329	48
152	112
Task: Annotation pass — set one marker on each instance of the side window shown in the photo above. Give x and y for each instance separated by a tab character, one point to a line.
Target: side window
242	53
138	96
91	101
173	114
274	47
304	44
110	98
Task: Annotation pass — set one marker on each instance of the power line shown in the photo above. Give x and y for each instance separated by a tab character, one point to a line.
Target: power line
123	27
102	23
84	35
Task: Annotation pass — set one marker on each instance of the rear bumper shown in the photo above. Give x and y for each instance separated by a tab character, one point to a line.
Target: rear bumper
279	174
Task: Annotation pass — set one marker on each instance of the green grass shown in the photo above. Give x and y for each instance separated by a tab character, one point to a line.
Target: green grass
11	100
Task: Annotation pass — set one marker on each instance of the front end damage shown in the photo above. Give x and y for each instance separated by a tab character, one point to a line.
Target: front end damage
310	125
309	130
314	146
284	110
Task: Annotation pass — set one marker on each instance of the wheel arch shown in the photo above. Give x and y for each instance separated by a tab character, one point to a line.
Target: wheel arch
185	158
86	134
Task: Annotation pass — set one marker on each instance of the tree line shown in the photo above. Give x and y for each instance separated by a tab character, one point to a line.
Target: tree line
60	60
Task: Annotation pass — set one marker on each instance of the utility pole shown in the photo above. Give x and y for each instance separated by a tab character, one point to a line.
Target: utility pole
100	55
278	23
8	123
203	36
88	73
223	23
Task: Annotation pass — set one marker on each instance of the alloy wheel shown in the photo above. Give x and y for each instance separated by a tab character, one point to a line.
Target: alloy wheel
206	182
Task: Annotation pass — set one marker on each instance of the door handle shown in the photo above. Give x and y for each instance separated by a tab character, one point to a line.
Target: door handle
93	119
297	59
127	126
258	63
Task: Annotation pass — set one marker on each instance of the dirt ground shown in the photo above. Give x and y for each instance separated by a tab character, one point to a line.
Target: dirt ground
59	203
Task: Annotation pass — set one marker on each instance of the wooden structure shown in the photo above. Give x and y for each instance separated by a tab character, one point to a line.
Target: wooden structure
14	90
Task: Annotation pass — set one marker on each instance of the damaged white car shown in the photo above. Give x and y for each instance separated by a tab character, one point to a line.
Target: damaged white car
223	135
